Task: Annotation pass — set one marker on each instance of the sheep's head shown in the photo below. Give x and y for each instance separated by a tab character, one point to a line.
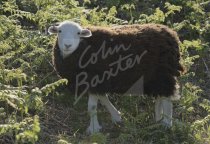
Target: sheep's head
69	35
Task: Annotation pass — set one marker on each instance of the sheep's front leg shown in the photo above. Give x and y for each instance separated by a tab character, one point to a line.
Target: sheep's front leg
116	116
92	109
158	110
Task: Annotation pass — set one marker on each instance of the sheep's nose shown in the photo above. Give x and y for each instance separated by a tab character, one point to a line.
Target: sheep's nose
67	46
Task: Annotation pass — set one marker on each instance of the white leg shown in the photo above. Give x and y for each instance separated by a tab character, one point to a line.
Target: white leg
158	110
116	117
92	109
167	111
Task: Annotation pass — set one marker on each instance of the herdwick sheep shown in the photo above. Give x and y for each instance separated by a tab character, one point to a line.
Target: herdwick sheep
101	61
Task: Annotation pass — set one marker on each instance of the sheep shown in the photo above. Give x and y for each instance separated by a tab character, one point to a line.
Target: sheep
125	60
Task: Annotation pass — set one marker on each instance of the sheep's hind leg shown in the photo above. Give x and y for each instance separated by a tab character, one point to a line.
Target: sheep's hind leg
158	109
167	111
92	109
116	116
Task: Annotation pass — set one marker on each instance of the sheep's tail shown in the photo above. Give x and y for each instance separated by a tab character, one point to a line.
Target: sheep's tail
170	56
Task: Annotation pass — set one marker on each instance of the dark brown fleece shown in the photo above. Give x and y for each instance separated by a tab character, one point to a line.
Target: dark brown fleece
159	66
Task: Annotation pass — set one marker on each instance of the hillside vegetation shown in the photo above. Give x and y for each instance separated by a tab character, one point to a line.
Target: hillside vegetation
35	106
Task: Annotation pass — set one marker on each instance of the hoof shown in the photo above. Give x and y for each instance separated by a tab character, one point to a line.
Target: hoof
166	124
90	130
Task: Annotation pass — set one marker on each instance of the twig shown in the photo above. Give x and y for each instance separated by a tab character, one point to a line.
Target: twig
45	77
60	122
207	69
79	113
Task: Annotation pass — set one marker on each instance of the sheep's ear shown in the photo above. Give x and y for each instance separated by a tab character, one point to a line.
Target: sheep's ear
85	33
53	29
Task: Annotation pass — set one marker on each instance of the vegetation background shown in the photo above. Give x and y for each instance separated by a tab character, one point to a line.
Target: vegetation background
35	107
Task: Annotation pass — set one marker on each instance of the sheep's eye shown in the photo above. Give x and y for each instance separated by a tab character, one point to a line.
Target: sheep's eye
59	31
78	33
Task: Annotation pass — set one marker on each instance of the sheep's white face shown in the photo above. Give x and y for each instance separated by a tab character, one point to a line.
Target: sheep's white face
69	34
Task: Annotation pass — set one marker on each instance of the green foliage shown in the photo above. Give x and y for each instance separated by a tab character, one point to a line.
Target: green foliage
171	9
26	131
51	87
27	76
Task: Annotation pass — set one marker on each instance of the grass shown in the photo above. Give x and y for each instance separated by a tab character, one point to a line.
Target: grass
62	122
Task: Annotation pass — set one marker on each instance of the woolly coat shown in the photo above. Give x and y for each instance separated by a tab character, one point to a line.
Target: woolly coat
109	60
